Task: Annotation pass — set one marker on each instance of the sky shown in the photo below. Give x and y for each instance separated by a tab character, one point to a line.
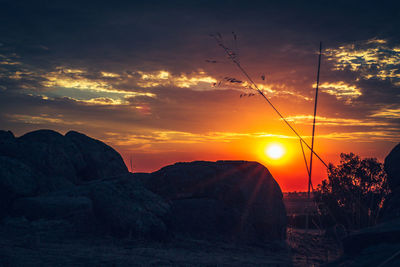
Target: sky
149	78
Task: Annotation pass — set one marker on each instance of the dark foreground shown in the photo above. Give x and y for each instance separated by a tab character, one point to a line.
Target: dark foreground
47	246
49	243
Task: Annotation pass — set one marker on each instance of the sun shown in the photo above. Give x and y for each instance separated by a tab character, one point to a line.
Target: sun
275	151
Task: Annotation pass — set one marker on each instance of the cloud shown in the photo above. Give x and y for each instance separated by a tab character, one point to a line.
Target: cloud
308	120
102	101
9	60
110	74
364	137
373	59
389	113
43	119
75	80
181	137
341	90
165	78
95	88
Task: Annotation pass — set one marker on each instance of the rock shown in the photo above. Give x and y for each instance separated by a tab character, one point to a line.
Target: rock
52	207
75	178
51	154
8	144
198	217
122	207
388	232
125	207
62	161
391	207
244	193
33	233
101	160
392	168
16	180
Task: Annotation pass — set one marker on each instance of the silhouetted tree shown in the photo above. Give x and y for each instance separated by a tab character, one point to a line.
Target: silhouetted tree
354	192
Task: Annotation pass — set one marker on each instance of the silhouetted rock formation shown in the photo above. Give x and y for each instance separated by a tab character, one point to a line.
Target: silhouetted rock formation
229	199
8	144
392	167
83	183
60	160
16	180
388	233
52	207
125	207
47	176
52	155
101	161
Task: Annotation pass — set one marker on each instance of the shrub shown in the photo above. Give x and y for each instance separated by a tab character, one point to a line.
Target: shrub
354	192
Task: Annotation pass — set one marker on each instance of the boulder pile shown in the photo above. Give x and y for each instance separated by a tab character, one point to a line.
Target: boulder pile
73	178
48	176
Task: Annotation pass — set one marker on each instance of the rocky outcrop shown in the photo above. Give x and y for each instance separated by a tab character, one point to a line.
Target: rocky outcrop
16	180
391	206
388	233
392	168
233	199
203	218
51	154
84	182
47	176
8	144
391	209
125	206
61	161
52	207
101	160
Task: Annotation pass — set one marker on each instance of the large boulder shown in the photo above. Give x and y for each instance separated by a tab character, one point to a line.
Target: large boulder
198	217
392	168
236	199
122	206
47	176
373	246
388	232
52	207
8	144
391	208
62	161
52	154
16	180
101	160
125	207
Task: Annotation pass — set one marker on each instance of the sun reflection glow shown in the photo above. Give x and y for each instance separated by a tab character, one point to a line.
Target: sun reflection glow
275	151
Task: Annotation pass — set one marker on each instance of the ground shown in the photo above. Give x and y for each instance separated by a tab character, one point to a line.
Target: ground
20	247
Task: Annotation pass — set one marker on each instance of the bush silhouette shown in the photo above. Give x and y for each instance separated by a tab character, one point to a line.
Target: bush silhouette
354	192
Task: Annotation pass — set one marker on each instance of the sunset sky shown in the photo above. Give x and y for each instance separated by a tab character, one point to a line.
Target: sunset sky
149	80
